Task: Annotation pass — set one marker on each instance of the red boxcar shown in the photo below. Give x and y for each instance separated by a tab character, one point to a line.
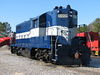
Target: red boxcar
92	41
5	41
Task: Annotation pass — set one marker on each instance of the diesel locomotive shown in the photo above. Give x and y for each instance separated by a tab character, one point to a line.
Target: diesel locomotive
51	37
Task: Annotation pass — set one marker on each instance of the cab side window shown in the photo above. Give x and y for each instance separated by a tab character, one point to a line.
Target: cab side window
35	23
42	20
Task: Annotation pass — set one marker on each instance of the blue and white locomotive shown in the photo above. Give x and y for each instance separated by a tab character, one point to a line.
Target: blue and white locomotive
51	37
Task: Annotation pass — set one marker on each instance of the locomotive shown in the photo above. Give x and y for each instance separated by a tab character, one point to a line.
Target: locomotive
51	37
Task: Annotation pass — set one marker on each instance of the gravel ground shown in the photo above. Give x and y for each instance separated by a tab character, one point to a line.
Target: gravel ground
11	64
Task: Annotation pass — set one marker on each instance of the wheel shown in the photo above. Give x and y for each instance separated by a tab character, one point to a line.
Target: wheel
25	52
32	54
12	50
18	53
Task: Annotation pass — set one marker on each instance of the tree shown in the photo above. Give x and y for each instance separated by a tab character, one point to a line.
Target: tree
95	26
5	29
8	28
82	28
2	27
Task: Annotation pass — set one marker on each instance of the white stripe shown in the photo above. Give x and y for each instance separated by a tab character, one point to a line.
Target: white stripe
49	31
22	35
55	30
34	32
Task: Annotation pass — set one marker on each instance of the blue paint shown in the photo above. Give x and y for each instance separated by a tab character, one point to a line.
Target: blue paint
52	19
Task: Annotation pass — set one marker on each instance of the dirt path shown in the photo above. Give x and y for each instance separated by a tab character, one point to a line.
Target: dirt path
17	65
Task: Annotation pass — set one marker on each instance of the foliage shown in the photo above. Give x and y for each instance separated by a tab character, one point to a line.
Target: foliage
5	29
96	25
82	28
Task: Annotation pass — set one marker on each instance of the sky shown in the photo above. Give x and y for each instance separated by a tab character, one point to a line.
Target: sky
17	11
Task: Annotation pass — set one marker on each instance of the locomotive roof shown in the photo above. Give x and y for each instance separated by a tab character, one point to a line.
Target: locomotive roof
55	9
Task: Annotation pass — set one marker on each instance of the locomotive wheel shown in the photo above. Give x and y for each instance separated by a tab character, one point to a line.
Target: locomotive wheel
12	50
33	53
38	54
25	52
19	52
46	57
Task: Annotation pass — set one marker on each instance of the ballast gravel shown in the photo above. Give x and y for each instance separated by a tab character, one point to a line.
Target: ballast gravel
11	64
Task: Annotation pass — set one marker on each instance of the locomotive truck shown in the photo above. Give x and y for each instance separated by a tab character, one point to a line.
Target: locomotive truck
51	37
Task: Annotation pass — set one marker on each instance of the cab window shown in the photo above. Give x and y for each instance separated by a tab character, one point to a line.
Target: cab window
42	20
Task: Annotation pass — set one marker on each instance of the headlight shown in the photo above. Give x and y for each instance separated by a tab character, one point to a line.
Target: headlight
58	11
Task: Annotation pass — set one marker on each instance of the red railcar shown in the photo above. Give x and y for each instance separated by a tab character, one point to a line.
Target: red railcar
92	40
5	41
